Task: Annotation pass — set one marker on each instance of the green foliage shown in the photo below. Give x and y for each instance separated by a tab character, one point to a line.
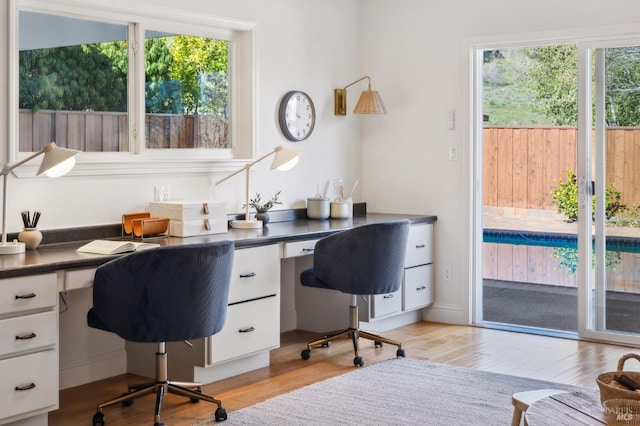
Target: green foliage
78	78
565	196
256	202
568	259
554	78
622	81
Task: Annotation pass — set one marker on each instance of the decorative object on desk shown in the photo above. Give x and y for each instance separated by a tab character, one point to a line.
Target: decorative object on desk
262	209
56	162
296	115
612	385
318	207
340	209
114	247
369	102
285	159
30	235
189	218
142	225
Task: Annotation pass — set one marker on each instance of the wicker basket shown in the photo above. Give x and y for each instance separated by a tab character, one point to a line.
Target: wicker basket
620	412
608	391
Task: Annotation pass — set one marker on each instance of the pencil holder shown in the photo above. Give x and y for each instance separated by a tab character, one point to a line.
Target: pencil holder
31	238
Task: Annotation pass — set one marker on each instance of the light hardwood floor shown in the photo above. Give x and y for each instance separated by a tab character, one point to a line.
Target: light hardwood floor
547	358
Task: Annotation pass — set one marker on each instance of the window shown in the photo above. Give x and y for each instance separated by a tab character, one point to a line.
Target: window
135	93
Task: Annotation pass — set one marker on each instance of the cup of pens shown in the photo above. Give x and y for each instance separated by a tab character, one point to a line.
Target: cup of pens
30	235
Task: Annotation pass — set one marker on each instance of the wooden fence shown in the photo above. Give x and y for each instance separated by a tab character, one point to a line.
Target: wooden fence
521	165
109	131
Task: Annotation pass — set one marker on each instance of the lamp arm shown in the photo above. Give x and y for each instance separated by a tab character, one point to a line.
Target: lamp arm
357	81
246	166
8	168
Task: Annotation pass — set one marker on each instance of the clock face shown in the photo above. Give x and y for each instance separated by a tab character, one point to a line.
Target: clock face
297	116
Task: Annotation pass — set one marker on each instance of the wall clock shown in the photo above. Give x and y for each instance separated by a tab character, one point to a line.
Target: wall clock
297	116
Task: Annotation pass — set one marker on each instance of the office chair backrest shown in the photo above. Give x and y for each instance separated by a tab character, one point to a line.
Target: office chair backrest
368	259
165	294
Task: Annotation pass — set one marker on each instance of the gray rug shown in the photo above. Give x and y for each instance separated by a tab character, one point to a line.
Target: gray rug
400	391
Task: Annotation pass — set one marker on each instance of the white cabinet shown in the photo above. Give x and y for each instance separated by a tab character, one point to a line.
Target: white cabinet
253	315
28	346
417	287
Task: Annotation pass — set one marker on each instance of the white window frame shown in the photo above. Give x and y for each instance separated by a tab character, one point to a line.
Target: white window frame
139	18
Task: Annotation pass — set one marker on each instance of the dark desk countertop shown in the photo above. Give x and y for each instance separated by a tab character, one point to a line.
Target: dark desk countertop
60	256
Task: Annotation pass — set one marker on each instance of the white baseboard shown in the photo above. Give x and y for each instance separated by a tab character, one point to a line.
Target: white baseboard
231	368
92	369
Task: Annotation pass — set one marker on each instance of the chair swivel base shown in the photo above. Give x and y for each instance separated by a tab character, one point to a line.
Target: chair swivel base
160	387
354	333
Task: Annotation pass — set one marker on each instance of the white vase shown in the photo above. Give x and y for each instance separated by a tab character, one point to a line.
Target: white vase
31	238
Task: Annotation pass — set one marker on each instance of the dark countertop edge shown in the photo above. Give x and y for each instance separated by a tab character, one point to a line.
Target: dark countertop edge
54	257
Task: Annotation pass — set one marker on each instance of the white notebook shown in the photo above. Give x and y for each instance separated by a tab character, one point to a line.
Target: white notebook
114	247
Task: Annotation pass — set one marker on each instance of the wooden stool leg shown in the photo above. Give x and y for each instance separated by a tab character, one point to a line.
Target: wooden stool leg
517	415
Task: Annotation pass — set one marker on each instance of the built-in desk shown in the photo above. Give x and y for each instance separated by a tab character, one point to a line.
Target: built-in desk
47	292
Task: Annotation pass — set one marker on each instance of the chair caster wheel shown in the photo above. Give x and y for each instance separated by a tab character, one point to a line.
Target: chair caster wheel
377	344
194	400
400	353
221	414
324	345
127	402
358	361
159	424
98	419
306	354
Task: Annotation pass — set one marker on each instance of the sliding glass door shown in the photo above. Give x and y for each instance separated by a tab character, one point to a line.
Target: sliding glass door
610	178
557	201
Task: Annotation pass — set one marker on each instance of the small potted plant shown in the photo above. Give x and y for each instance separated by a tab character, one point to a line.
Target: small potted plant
263	208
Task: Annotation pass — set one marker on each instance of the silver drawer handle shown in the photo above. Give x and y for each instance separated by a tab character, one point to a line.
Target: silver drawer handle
247	330
420	288
25	296
249	275
26	336
419	246
388	296
25	387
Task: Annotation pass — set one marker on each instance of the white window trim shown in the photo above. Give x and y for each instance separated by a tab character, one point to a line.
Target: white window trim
140	160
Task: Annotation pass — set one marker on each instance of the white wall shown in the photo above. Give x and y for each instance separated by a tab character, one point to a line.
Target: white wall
415	53
296	49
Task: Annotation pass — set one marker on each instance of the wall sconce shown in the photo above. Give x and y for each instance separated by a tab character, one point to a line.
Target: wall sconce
56	162
285	159
369	102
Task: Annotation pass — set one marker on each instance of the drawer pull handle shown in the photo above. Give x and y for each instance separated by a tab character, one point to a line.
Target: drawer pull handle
247	330
388	296
26	336
249	275
25	387
421	288
308	250
419	246
25	296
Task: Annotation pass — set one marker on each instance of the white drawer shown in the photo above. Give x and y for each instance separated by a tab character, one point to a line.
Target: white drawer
38	373
79	278
250	327
419	245
255	273
418	287
28	332
299	248
27	293
386	304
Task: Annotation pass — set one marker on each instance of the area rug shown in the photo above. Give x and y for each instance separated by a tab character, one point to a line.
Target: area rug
400	391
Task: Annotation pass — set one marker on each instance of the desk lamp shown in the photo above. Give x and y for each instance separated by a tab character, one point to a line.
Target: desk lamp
56	162
285	159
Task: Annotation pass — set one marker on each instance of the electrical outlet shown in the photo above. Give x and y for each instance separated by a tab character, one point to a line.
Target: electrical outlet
446	272
453	153
161	193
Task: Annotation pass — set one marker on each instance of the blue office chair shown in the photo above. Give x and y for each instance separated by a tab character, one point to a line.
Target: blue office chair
165	294
365	260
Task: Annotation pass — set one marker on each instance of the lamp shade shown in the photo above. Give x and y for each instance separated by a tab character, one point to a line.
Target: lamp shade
370	103
57	161
285	159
